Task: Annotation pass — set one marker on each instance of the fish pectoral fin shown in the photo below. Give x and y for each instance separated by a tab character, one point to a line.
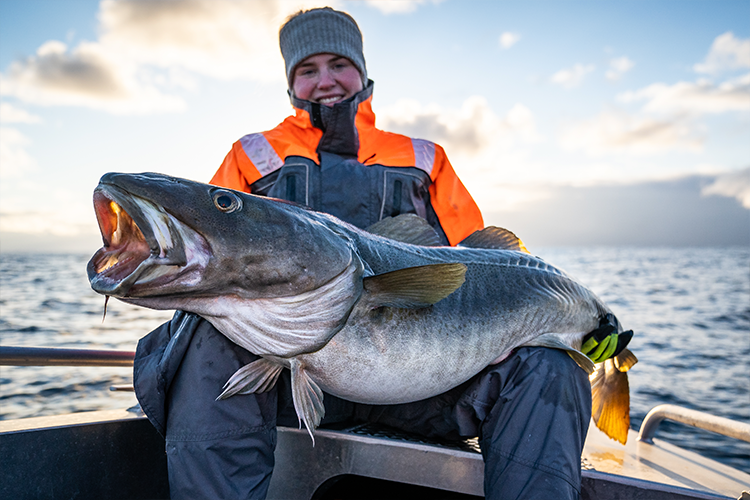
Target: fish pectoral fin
610	400
551	340
307	397
258	376
407	228
413	287
494	237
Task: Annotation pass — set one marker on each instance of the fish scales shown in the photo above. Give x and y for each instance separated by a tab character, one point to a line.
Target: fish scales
356	314
415	353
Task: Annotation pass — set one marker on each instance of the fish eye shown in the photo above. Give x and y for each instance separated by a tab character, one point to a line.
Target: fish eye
227	201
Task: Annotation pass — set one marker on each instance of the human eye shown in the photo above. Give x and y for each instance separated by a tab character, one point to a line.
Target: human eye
305	72
341	64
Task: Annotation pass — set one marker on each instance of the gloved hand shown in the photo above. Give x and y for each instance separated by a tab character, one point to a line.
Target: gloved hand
604	342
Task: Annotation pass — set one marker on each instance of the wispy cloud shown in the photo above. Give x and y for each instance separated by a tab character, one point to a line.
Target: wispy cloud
15	161
620	132
399	6
11	114
222	39
470	130
51	222
733	185
618	67
701	97
145	49
488	150
727	53
572	77
509	39
86	76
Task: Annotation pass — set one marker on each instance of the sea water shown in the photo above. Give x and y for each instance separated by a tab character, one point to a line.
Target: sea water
689	309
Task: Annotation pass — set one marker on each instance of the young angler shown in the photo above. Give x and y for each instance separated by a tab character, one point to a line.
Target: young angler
531	411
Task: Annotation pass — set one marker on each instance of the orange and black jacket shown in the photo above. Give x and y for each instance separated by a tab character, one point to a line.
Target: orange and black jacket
334	160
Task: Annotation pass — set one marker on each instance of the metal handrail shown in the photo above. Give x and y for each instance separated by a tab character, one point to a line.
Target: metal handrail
57	356
702	420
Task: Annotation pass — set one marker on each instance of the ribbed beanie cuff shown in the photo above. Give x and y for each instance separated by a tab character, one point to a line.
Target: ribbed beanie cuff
319	31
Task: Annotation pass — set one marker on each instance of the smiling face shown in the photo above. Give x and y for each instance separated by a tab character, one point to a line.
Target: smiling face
326	79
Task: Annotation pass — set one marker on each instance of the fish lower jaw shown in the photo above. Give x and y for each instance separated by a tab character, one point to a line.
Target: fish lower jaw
154	271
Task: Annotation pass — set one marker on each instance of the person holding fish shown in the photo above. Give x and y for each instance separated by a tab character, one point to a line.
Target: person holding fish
531	410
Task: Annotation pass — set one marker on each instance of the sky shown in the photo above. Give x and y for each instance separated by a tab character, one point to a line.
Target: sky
570	122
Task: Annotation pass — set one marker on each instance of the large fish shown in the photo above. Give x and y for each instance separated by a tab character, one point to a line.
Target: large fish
380	317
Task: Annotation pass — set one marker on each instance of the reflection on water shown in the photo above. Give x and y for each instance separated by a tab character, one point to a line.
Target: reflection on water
689	308
45	300
690	311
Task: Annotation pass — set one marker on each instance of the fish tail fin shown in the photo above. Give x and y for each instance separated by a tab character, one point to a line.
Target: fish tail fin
307	397
610	395
258	376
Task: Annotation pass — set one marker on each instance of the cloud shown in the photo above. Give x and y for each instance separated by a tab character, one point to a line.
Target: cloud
618	67
733	185
490	152
702	97
222	39
398	6
14	159
12	114
620	132
508	39
727	53
470	130
146	51
86	76
670	212
572	77
39	222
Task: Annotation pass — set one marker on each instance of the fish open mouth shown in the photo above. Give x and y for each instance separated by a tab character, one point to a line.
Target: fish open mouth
144	247
125	246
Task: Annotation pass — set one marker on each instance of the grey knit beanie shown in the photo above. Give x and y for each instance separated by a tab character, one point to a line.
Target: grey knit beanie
319	31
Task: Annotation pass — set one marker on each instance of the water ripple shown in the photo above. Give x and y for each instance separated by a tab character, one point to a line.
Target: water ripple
688	307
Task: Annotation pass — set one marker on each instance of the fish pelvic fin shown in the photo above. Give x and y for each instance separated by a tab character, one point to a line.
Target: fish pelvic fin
414	287
407	228
258	376
610	398
553	341
307	397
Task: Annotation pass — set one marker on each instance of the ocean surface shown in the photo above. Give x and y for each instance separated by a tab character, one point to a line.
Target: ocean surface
689	308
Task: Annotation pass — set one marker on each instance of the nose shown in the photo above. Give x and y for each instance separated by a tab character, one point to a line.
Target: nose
326	79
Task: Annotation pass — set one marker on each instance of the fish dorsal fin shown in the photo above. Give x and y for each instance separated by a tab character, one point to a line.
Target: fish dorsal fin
495	238
413	287
407	228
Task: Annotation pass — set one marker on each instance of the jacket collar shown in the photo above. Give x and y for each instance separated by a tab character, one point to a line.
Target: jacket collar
340	135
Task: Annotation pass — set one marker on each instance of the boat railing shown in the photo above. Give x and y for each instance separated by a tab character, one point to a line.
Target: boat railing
695	418
57	356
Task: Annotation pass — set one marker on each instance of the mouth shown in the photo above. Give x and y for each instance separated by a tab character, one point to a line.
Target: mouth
330	100
124	245
143	246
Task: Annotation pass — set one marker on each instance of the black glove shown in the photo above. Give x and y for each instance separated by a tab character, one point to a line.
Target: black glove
604	342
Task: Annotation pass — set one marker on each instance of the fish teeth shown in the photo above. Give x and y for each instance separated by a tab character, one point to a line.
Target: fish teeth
111	261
